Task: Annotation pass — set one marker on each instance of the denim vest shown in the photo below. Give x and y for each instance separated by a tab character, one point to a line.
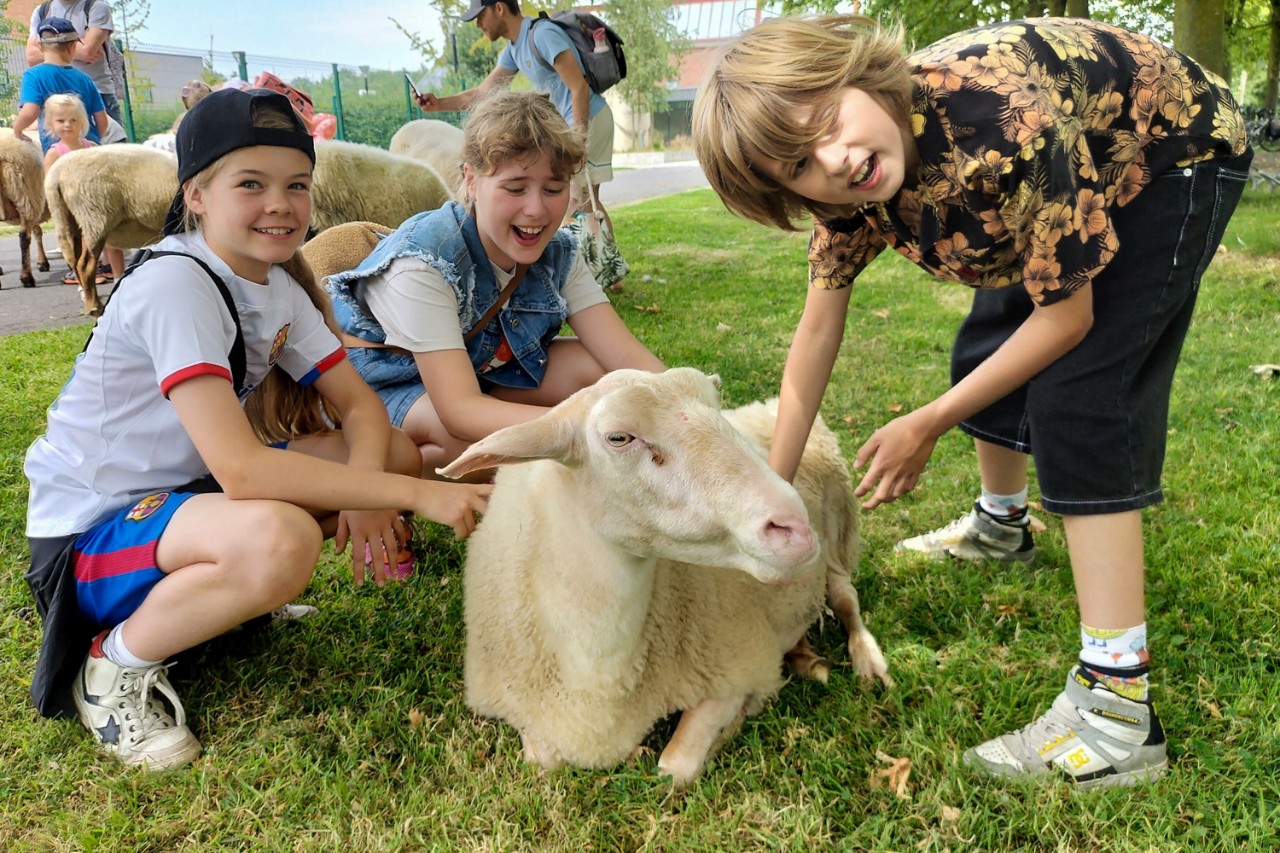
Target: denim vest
448	241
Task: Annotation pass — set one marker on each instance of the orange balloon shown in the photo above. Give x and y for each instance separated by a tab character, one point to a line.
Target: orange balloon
324	126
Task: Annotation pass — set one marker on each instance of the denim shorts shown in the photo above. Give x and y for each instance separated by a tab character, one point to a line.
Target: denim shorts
1096	419
393	375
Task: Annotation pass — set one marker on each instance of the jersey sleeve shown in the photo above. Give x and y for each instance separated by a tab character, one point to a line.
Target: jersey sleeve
839	249
168	309
309	347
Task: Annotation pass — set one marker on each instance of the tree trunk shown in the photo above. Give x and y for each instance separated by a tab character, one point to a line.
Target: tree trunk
1077	8
1037	9
1273	59
1199	32
1056	8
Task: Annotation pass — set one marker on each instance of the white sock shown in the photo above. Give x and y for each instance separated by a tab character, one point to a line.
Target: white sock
1114	648
118	653
1004	506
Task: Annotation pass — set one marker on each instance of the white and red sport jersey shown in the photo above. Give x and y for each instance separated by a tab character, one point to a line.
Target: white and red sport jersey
112	435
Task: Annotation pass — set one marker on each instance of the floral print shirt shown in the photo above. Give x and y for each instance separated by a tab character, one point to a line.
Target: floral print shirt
1030	133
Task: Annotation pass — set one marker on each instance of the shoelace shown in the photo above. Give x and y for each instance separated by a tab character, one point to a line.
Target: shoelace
148	713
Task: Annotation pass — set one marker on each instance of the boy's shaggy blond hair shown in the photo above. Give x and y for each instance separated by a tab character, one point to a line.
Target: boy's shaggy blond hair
517	126
748	104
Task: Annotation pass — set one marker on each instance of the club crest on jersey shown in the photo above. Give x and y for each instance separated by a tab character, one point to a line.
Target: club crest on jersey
148	505
277	346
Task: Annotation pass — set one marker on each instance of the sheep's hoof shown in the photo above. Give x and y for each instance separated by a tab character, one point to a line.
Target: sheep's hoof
27	280
683	771
43	266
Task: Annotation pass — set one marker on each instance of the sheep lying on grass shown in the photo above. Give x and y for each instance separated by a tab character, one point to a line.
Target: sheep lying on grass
645	560
117	194
360	183
22	199
434	142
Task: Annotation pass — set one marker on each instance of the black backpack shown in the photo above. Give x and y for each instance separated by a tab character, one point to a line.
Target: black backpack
603	62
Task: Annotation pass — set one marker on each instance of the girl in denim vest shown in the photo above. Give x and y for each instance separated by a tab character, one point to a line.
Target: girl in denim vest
455	318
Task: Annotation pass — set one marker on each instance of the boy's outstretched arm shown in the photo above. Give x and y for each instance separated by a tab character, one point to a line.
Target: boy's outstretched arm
899	450
804	379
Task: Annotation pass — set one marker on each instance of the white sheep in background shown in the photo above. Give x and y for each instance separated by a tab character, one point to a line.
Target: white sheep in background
117	194
646	560
436	143
22	199
361	183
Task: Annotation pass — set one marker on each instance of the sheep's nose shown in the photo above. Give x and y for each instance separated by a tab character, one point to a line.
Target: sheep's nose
790	537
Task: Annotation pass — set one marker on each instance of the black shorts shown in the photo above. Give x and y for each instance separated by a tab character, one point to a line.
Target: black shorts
1095	420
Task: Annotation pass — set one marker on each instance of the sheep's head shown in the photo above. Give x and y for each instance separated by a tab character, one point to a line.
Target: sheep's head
660	472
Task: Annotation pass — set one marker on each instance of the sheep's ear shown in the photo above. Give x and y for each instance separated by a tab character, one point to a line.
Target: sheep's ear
545	437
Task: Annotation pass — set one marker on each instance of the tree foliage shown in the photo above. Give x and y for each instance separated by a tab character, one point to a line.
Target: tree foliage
654	48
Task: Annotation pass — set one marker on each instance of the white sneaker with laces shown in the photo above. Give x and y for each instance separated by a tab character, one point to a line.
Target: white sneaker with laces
1089	735
116	704
976	536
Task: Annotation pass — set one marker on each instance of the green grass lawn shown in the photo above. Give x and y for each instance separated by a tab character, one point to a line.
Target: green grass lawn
348	731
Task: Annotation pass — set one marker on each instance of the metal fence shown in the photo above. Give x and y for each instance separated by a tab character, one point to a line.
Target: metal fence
368	104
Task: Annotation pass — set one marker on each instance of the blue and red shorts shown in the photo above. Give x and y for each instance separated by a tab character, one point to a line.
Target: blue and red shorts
115	561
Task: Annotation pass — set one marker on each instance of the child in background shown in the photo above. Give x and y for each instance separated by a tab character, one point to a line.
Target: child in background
159	444
55	75
65	118
455	317
1092	166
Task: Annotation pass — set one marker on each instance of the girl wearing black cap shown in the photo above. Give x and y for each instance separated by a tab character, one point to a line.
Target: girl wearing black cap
222	309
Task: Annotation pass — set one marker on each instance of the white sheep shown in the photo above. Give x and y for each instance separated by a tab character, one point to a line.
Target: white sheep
361	183
120	194
117	194
646	560
22	199
436	143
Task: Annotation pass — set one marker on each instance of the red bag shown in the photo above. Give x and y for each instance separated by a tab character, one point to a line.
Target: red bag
301	100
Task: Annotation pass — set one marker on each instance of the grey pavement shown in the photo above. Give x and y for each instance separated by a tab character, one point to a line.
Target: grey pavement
51	304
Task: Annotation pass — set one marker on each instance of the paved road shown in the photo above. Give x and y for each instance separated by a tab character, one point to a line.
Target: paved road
51	304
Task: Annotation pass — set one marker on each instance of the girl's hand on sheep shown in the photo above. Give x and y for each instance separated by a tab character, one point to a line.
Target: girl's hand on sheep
454	504
377	533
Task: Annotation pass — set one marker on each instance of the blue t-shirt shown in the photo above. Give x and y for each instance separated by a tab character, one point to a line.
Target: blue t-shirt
552	42
41	81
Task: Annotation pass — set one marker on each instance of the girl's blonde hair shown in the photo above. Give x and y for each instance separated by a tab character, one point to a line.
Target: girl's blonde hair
280	409
517	126
55	103
756	87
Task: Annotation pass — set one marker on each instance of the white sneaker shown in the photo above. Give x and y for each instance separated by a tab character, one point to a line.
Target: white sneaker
116	704
1090	736
976	536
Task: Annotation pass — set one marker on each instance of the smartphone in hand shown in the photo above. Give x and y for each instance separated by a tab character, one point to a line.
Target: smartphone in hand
412	88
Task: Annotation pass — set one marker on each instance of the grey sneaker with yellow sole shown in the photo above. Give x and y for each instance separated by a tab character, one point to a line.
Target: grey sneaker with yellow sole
1089	736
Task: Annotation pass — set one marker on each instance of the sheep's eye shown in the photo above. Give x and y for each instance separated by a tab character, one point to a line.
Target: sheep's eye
619	439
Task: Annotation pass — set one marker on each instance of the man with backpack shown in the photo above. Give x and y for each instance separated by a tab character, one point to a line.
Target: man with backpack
544	54
92	20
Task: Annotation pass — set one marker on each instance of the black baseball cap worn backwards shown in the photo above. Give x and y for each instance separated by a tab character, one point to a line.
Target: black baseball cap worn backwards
222	122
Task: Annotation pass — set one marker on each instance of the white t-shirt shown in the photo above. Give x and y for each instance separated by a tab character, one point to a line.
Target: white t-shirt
112	435
418	309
